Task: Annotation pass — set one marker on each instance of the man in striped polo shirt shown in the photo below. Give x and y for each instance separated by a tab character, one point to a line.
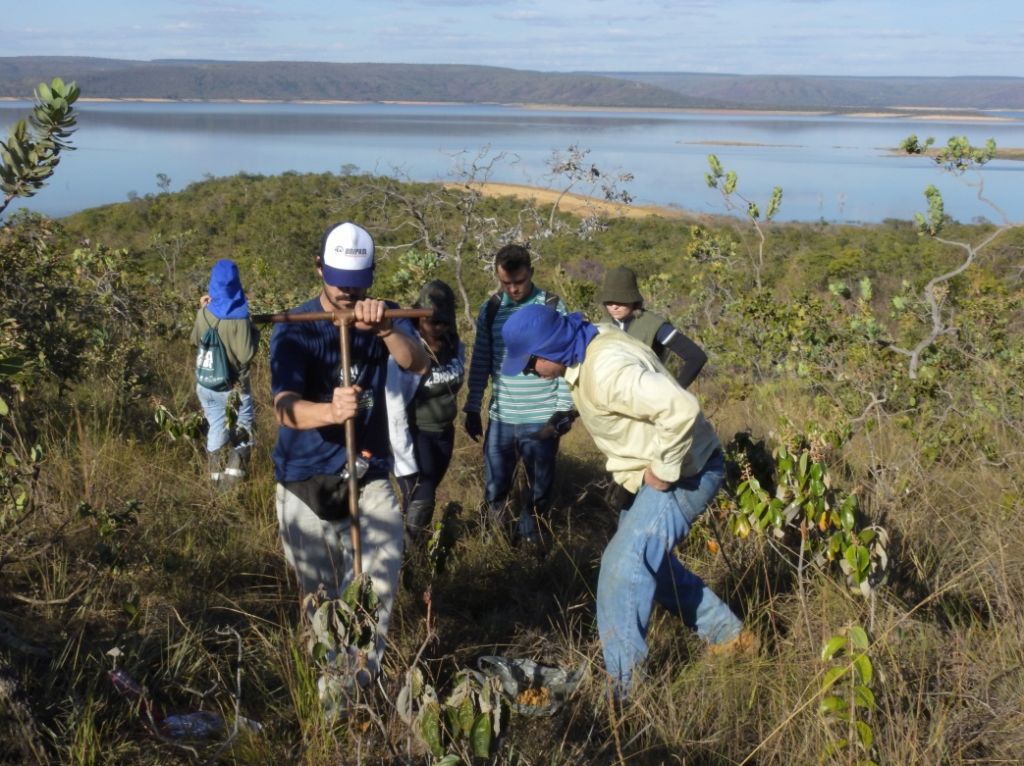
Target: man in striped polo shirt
527	414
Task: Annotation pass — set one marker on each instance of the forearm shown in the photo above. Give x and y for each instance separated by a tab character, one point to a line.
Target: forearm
295	412
693	357
476	382
407	352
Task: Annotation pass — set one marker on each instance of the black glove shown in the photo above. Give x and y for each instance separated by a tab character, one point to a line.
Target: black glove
474	428
558	424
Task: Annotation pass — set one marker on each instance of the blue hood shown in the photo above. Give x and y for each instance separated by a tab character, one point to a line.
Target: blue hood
227	298
537	330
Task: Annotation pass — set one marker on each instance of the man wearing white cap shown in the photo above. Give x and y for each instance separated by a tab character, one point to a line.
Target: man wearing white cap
312	407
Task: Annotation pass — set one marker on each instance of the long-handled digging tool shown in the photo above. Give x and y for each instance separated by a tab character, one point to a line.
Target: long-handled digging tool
343	319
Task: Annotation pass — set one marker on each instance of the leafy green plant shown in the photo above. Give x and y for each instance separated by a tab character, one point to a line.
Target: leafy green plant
33	147
346	622
464	726
805	501
342	633
19	474
414	269
442	539
848	696
576	288
110	526
185	427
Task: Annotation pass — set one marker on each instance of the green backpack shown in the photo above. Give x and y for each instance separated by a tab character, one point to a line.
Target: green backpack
212	370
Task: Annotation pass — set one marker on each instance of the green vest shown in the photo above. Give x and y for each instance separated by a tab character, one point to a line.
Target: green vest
644	326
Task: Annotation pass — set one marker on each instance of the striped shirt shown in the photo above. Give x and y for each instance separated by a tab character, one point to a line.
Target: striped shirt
518	398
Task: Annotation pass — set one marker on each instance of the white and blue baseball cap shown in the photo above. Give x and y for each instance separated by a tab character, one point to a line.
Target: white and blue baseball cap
347	256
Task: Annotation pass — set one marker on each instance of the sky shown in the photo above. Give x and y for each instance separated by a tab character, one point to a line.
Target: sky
825	37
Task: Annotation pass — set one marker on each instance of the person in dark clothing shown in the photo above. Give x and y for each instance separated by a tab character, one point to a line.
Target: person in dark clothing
625	306
312	406
422	409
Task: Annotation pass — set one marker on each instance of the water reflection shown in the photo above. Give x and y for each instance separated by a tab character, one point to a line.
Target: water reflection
833	167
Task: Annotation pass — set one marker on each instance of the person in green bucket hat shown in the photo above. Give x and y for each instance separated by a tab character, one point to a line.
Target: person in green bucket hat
625	306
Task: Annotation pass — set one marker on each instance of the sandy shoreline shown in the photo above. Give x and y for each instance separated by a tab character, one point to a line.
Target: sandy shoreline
578	204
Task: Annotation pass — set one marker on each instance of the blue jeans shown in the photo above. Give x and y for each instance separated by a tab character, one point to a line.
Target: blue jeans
639	568
215	405
504	444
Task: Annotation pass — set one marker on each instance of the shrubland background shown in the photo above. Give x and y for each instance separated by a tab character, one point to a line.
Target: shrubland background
110	537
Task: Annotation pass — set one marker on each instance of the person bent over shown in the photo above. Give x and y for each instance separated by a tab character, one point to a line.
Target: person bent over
657	444
422	409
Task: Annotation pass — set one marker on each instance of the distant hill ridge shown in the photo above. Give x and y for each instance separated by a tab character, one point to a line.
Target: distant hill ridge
819	92
293	80
296	80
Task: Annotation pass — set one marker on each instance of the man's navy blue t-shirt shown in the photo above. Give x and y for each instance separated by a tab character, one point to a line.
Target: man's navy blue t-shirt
305	357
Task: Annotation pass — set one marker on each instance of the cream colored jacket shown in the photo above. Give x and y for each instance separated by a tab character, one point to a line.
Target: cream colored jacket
636	412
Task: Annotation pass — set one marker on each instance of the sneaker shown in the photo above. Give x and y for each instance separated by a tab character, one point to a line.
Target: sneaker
215	465
746	644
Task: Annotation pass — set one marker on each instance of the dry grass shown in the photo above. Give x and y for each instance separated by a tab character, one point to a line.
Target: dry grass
945	629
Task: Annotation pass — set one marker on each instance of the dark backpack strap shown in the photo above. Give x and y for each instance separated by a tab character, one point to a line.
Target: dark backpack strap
206	318
493	304
551	301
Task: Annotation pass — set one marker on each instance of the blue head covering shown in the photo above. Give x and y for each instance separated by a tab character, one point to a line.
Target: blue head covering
537	330
227	298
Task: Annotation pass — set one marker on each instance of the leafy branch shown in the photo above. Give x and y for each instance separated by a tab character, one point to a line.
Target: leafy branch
958	157
847	688
725	182
572	170
32	150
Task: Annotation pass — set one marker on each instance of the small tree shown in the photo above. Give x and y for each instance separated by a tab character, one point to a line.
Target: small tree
451	222
572	170
726	182
32	150
958	157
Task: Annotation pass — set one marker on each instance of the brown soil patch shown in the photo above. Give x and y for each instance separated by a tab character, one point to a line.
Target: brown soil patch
577	204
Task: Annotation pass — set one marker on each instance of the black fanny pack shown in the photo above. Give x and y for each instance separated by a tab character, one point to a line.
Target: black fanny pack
325	494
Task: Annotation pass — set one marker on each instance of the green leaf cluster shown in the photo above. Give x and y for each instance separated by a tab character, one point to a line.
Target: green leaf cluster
348	622
847	696
32	150
464	726
804	503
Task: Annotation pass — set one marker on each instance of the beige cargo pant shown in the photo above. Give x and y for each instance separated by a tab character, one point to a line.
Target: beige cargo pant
321	551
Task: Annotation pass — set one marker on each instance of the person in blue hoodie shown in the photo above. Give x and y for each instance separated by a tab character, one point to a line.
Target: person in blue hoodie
226	310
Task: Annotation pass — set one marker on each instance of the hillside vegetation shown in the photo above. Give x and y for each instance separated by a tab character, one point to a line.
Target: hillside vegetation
842	93
300	80
868	533
321	81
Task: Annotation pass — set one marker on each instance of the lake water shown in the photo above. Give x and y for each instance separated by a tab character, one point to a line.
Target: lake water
837	168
